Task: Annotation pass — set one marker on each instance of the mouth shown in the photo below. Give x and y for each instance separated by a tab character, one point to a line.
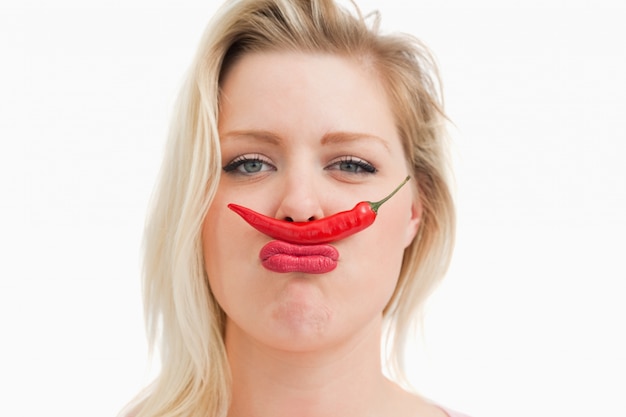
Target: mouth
283	257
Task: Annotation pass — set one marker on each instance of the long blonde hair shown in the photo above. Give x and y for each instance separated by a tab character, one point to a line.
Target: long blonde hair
182	316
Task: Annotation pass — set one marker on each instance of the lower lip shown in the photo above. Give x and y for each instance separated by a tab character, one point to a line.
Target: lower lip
283	257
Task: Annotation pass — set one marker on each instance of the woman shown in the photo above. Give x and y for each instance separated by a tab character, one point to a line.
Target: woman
295	110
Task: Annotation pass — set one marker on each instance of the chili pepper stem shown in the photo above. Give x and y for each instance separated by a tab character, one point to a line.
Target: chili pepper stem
376	205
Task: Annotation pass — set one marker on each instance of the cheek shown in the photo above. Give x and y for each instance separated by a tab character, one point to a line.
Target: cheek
211	251
379	252
393	225
221	252
390	238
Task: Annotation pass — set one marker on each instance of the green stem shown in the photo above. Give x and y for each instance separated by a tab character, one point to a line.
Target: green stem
376	205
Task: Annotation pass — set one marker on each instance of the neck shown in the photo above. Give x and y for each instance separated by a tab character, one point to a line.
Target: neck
343	380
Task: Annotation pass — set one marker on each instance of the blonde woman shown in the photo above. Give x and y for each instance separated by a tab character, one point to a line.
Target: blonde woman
296	110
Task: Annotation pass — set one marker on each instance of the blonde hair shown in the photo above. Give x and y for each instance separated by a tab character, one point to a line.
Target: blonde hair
182	316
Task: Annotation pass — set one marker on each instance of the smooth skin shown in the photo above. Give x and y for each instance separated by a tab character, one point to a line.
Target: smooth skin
304	136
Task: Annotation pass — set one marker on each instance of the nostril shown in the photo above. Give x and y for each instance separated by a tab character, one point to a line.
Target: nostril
290	219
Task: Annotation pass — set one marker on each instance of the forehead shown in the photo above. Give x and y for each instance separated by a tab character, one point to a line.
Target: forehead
329	89
267	64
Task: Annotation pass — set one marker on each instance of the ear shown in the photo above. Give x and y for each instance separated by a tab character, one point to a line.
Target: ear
414	222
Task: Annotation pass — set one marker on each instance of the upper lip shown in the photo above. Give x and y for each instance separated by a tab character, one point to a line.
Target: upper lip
279	247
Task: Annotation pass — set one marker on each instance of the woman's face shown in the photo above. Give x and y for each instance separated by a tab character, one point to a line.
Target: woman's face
304	136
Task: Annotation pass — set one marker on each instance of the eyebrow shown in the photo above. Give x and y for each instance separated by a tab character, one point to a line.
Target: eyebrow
328	138
264	135
343	137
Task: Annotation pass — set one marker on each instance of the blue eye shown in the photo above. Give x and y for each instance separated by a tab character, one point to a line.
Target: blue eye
248	165
353	165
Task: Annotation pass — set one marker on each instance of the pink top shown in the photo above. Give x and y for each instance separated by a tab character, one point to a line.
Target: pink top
451	413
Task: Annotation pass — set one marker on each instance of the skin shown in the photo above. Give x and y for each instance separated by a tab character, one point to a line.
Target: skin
297	343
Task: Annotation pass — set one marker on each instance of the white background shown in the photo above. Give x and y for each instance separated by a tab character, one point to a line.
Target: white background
531	319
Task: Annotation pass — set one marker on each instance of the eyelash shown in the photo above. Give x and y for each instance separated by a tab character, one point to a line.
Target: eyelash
366	167
233	165
362	165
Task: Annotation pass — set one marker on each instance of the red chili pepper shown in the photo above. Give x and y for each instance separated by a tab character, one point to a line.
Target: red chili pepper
326	230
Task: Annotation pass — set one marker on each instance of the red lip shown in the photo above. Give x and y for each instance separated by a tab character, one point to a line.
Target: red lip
279	256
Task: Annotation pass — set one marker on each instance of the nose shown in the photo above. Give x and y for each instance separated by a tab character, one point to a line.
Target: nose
299	200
